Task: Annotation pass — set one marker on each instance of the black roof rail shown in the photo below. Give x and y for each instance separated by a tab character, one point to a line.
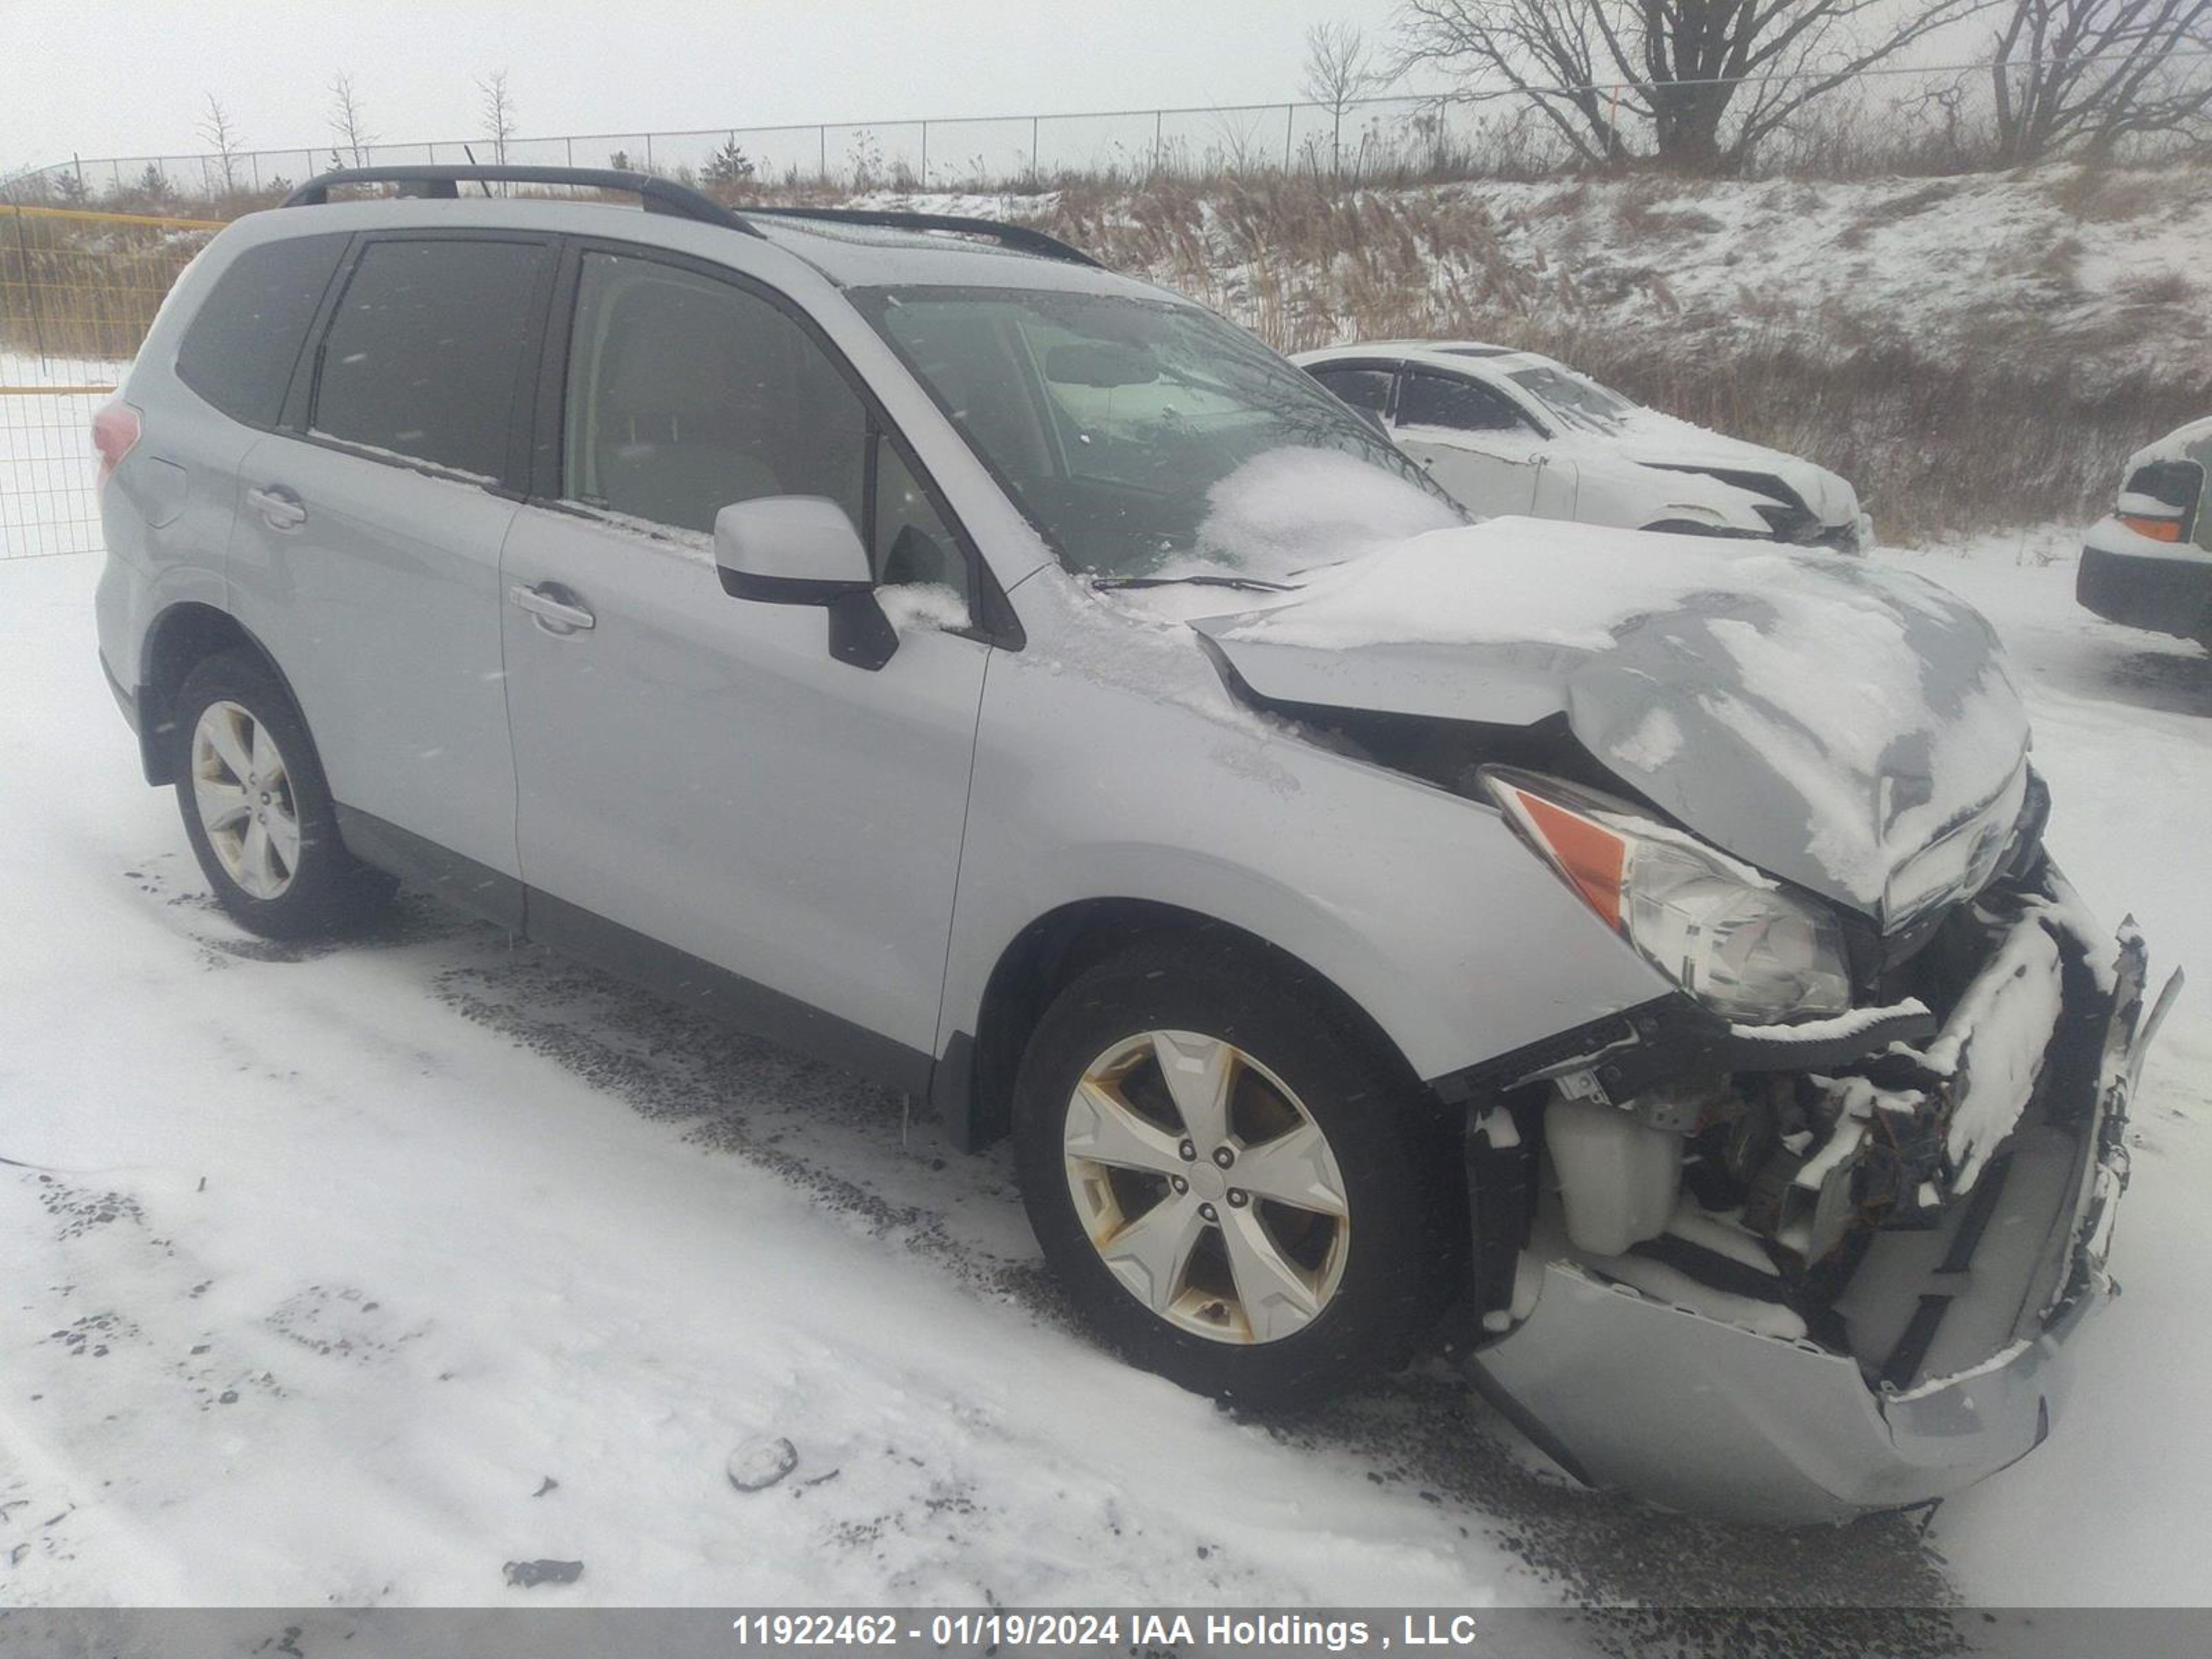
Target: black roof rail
1020	237
444	181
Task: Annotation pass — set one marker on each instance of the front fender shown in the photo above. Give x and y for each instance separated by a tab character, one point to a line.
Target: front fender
1420	906
1639	496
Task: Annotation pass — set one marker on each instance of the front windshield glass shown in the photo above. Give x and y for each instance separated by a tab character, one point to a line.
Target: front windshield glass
1148	438
1575	398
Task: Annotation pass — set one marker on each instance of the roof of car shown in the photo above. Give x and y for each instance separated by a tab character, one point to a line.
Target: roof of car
1459	354
850	254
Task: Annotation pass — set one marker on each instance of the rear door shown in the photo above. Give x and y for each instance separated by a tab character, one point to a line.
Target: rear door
697	774
367	552
1472	438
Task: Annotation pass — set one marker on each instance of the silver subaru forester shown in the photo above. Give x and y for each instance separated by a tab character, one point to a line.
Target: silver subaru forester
1627	963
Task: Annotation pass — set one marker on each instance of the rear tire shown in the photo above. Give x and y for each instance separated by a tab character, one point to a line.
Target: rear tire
1188	1066
257	809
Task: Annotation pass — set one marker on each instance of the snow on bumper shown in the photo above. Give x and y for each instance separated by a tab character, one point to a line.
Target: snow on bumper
1694	1414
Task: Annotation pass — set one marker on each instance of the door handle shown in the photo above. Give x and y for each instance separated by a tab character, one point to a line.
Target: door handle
555	607
280	509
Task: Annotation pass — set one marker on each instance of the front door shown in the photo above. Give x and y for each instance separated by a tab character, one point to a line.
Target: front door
694	769
1474	443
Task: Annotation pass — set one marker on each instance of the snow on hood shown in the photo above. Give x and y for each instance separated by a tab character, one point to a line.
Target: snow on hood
1292	508
1850	728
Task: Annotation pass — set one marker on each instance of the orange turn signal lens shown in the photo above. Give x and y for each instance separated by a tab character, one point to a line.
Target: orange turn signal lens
2156	530
1589	854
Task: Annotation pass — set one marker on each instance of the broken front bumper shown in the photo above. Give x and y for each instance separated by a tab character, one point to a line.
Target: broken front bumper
1693	1414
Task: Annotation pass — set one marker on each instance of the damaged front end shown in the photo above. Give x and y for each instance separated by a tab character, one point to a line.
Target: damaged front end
1796	1272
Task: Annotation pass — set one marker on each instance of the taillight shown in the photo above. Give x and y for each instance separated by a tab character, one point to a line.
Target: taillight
2155	530
114	433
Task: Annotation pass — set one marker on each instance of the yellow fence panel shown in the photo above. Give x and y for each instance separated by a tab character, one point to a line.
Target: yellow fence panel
77	292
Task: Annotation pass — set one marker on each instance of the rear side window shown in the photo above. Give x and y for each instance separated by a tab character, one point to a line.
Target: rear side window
424	352
239	347
1462	405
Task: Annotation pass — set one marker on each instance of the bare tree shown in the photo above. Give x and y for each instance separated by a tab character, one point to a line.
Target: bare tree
1698	84
216	127
1339	70
2082	75
349	126
498	113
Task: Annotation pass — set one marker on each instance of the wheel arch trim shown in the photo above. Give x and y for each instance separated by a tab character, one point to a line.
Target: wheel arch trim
162	672
972	1083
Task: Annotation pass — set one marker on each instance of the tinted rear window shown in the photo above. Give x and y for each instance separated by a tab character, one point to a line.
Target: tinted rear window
425	348
239	350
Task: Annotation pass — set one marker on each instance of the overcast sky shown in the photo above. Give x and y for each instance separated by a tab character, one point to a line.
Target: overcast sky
124	77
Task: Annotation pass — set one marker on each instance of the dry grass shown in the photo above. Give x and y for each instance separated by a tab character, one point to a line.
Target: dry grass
2002	430
86	286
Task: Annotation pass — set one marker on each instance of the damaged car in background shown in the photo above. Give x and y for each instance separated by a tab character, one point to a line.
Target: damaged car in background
1508	431
1637	957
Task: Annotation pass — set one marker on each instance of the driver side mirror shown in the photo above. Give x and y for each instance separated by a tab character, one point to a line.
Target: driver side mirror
803	549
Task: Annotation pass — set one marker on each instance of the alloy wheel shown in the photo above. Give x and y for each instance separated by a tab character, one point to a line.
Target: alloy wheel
243	791
1206	1186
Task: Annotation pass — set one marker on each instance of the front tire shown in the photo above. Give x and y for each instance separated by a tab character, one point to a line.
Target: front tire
1238	1190
257	810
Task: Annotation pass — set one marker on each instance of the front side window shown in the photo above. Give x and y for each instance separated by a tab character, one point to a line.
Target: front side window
1362	388
1575	398
687	394
1461	405
911	545
425	351
1125	427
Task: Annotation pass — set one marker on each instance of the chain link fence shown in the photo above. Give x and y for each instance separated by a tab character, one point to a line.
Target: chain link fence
1885	114
1373	137
77	292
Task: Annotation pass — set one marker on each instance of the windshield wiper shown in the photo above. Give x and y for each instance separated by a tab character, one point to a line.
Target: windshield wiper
1251	584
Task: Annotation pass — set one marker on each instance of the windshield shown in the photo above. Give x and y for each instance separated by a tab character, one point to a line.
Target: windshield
1149	438
1575	398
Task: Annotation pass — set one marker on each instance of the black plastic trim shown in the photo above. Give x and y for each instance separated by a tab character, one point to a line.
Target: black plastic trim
2159	595
658	195
124	700
1020	239
951	1091
787	590
461	882
700	987
1671	1036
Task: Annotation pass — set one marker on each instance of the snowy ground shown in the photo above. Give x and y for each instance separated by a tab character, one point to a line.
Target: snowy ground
346	1277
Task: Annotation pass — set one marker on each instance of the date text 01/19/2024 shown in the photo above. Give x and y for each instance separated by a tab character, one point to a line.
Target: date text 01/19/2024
1103	1630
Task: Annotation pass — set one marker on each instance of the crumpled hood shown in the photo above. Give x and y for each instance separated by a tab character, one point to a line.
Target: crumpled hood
1844	727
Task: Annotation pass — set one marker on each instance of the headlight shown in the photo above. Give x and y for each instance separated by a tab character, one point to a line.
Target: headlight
1725	933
